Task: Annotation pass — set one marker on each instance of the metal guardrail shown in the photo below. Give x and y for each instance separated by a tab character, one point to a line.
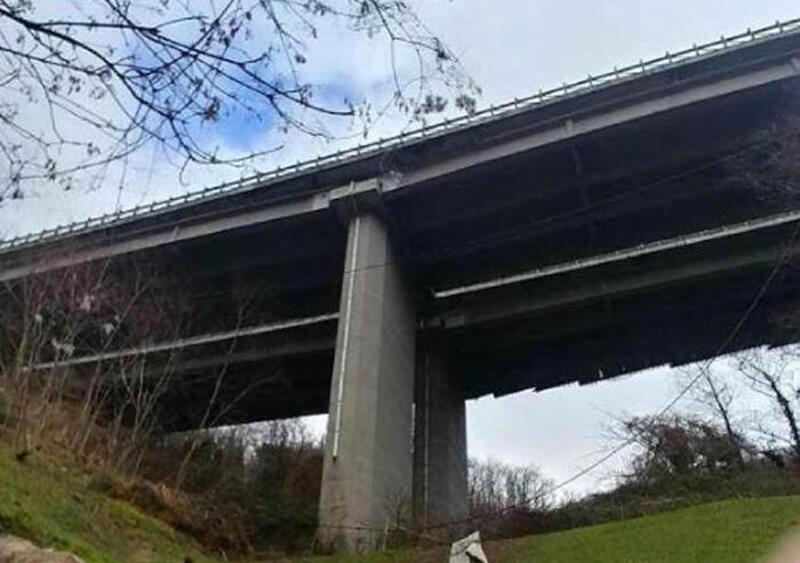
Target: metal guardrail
543	97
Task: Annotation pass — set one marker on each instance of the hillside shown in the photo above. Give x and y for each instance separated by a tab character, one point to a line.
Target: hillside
54	506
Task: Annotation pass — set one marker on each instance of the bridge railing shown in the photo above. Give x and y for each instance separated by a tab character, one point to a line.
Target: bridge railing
543	97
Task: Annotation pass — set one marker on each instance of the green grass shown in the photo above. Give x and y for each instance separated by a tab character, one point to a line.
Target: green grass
728	531
53	506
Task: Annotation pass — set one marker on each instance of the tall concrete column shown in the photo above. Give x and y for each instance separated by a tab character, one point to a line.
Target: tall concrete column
368	467
440	442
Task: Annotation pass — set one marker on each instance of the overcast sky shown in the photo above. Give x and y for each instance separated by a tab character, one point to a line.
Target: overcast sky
512	48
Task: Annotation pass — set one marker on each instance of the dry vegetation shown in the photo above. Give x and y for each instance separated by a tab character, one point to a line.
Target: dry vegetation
239	491
245	491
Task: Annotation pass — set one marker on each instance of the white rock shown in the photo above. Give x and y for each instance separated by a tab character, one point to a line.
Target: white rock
17	550
467	550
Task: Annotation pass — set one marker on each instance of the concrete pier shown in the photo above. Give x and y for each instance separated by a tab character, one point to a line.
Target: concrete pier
367	474
440	441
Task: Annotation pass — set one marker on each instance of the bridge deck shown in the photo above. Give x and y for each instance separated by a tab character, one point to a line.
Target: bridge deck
608	229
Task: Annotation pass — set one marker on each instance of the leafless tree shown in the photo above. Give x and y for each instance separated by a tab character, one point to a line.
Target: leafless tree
774	375
496	487
106	409
91	83
44	318
679	446
713	392
771	168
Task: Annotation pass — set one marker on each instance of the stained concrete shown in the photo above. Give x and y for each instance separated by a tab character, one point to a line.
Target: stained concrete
440	441
367	474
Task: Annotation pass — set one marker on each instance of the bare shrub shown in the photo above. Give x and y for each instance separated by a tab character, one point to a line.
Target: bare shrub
680	446
495	486
49	320
769	379
775	376
508	500
252	489
77	381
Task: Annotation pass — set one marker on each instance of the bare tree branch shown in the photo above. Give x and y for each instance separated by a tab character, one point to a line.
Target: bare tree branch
113	77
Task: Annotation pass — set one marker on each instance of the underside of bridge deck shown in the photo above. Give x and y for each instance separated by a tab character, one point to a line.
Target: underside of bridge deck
645	224
676	174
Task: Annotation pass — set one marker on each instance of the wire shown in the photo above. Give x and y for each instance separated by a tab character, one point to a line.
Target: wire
626	443
519	232
669	406
532	226
424	534
513	233
516	233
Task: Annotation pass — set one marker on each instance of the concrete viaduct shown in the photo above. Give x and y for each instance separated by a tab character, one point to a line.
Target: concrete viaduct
584	233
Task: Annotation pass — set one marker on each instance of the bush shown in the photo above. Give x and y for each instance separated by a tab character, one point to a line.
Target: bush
287	480
101	483
681	446
4	414
681	462
255	492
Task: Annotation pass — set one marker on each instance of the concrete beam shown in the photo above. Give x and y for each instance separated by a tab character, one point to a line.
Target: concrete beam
199	341
48	257
440	442
528	137
367	473
701	267
530	303
594	119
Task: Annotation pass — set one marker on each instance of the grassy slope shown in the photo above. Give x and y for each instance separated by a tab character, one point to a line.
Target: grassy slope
728	531
52	506
725	532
